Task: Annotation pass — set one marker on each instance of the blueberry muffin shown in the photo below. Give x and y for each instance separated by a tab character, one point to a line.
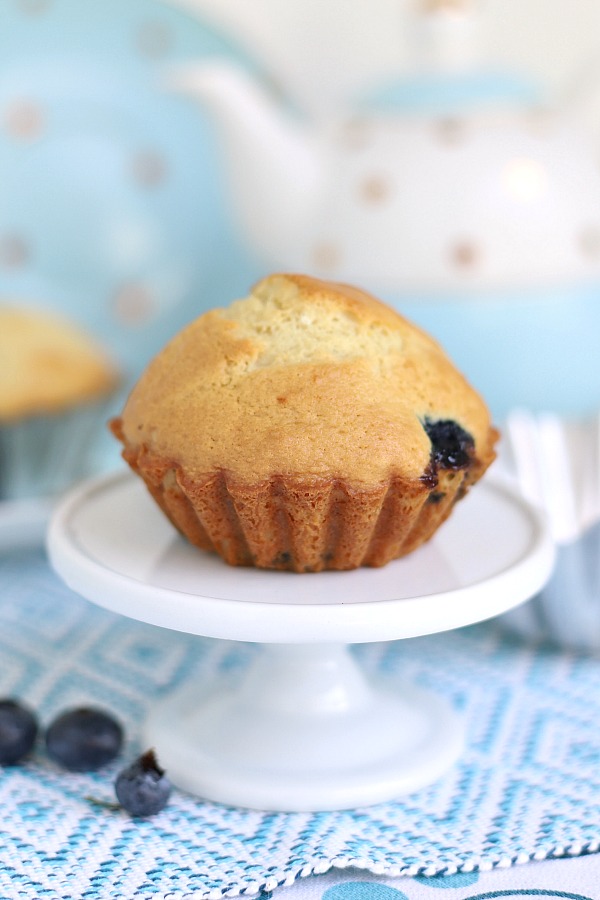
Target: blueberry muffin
306	427
55	384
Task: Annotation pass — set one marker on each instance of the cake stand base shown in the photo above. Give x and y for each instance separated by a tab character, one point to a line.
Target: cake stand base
303	730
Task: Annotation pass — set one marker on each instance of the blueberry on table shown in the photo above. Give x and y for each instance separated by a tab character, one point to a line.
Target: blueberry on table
18	731
84	739
143	788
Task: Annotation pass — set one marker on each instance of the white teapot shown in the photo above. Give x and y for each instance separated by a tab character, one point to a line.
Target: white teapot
482	225
481	200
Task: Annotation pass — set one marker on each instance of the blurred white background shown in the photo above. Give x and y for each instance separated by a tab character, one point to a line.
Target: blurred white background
324	52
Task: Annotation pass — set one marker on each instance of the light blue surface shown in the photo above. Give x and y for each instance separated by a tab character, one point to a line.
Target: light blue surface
528	782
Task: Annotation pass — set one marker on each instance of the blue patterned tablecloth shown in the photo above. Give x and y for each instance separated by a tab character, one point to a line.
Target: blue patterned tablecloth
527	787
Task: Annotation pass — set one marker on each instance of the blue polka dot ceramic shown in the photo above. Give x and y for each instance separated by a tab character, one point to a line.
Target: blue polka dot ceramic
363	890
459	880
111	208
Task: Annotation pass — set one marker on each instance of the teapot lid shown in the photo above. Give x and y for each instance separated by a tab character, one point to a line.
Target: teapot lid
450	73
450	94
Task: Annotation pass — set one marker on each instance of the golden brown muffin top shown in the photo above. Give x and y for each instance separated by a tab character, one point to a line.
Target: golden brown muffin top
47	364
302	377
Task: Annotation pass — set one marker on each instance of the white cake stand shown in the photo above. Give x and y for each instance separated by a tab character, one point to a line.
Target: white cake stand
302	729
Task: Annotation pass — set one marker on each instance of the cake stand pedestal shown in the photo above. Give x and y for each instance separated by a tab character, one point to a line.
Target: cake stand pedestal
303	728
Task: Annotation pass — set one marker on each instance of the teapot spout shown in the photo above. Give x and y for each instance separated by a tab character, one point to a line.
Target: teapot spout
271	161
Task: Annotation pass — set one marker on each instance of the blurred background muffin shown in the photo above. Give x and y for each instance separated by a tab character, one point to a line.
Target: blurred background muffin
56	386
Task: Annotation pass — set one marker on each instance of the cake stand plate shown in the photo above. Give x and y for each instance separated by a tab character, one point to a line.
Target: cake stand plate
302	728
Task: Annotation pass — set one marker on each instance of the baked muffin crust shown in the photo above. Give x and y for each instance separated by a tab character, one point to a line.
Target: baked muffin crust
48	365
303	377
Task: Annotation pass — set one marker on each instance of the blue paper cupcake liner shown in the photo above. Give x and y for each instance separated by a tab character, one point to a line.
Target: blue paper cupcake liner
42	456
